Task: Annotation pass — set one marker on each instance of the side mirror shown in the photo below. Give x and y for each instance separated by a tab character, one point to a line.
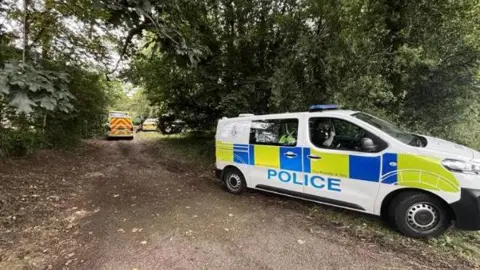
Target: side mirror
368	145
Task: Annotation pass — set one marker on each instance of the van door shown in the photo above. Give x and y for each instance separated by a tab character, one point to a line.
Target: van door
339	172
277	160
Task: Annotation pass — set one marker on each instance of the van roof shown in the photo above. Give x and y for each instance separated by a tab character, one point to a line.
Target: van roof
292	114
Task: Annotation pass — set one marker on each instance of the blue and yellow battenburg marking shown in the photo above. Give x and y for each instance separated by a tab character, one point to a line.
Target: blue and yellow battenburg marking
390	168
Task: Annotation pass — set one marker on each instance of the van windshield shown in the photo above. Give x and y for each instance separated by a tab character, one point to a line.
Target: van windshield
388	128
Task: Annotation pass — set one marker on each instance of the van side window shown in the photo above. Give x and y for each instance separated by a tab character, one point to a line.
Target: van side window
333	133
281	132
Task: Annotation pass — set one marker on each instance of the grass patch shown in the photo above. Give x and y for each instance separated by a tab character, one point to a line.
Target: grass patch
198	151
454	245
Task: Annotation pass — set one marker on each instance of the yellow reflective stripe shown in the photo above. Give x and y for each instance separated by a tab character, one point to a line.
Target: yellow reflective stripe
330	164
426	173
224	151
267	156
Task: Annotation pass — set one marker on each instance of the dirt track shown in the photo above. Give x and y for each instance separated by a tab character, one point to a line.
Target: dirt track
120	205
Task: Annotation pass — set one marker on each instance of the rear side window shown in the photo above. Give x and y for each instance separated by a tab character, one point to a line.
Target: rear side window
280	132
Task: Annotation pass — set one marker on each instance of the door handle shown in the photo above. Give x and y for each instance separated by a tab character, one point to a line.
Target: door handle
313	157
290	154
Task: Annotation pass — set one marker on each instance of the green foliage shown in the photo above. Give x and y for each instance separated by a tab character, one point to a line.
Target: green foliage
20	142
50	123
412	62
27	87
52	89
126	98
172	26
88	118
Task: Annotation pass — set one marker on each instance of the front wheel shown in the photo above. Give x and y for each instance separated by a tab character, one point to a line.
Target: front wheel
419	215
234	181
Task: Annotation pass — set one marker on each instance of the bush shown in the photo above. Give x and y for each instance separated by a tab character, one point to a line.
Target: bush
20	143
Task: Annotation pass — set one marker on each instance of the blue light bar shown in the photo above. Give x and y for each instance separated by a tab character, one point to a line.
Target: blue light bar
323	107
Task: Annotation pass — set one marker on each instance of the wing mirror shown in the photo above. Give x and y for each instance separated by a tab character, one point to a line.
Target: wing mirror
368	145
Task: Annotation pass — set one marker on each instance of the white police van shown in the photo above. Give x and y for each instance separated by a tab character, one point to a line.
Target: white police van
353	160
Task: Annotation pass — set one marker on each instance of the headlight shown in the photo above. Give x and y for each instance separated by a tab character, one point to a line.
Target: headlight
461	166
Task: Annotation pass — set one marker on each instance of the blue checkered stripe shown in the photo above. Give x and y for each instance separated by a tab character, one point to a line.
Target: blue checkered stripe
361	168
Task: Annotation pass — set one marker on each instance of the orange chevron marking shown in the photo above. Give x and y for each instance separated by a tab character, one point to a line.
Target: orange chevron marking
121	126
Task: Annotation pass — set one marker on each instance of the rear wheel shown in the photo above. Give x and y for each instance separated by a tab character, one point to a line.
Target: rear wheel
417	215
234	181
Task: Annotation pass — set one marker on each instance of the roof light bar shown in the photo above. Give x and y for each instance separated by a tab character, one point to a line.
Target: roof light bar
323	107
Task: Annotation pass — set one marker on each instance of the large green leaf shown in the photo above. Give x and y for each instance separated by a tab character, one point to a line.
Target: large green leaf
4	89
48	103
22	103
18	81
34	86
25	83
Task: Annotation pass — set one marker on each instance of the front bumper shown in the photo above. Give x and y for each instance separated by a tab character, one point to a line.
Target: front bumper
467	209
109	135
149	128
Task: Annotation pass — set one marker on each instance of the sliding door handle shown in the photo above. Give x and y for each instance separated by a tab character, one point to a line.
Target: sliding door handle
290	154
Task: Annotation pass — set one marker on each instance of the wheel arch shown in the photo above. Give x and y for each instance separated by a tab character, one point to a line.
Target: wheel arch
231	167
389	198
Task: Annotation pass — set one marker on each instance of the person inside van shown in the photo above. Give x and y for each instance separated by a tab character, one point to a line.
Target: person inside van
324	133
289	136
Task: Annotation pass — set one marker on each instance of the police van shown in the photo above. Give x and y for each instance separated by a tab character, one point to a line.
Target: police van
353	160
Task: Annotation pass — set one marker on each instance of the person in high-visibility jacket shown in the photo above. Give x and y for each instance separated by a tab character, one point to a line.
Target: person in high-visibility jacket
288	138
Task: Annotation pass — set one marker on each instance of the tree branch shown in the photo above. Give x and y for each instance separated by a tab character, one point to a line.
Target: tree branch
132	33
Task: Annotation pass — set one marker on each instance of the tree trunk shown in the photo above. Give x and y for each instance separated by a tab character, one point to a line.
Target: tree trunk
46	38
394	40
26	25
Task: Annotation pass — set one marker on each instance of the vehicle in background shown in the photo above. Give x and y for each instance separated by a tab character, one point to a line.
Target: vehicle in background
353	160
168	124
150	124
119	125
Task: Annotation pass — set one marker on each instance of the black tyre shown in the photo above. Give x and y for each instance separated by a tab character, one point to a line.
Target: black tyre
417	215
234	181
